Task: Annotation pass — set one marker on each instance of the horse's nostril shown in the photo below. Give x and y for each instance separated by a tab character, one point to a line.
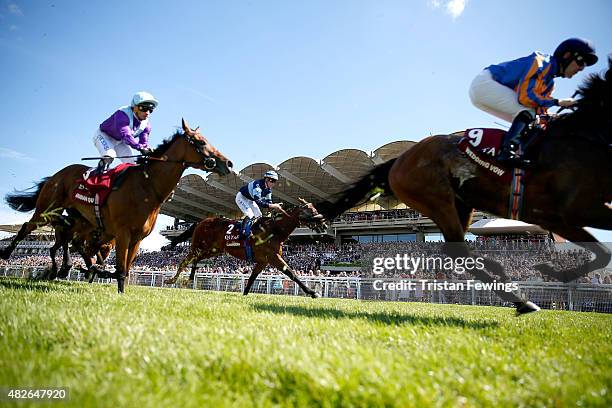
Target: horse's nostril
229	164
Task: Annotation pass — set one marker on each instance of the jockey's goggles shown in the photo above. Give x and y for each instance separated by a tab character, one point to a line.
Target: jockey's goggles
146	108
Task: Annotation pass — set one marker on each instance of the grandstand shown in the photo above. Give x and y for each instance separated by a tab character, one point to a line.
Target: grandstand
36	243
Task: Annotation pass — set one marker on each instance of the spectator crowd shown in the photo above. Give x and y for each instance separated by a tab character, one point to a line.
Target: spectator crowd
518	256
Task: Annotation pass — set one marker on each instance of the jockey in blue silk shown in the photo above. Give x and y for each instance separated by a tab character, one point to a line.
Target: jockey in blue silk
255	194
518	90
126	129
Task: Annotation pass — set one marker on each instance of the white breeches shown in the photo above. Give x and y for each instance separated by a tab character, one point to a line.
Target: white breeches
248	207
108	146
495	98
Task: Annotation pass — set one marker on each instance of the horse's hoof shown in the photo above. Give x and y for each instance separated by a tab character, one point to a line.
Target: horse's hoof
315	295
526	307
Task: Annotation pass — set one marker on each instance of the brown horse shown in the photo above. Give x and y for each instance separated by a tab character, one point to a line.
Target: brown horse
130	212
209	239
570	187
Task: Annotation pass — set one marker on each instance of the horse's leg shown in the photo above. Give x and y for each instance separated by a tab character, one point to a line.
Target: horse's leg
25	230
66	261
256	271
53	253
452	217
191	257
585	240
121	260
131	255
280	263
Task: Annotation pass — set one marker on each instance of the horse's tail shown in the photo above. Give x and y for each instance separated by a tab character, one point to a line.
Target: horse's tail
375	183
184	236
25	202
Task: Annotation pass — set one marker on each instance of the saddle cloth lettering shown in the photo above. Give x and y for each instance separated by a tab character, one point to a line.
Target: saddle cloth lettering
482	146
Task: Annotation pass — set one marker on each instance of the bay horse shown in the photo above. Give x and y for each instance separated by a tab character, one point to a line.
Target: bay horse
130	212
569	188
209	239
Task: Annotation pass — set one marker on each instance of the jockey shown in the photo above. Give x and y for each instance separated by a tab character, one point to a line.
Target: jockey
125	129
255	194
518	90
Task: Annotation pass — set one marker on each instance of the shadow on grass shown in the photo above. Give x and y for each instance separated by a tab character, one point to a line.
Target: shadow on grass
378	317
39	286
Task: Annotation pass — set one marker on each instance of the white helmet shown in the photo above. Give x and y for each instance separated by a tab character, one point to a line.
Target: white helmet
144	97
271	174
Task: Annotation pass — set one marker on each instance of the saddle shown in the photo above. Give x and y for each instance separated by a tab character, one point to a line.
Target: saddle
238	234
96	188
482	146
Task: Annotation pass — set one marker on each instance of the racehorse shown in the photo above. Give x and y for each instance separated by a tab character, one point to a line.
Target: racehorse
130	212
210	239
569	188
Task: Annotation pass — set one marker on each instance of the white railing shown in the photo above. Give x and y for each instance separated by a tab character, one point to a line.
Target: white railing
549	295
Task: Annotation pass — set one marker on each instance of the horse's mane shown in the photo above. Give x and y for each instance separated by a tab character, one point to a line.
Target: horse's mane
165	145
590	118
595	103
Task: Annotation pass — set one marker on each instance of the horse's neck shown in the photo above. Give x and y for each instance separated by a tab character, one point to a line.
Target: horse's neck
286	225
165	175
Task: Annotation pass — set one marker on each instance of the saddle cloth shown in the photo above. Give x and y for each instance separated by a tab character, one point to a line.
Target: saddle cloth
98	184
482	146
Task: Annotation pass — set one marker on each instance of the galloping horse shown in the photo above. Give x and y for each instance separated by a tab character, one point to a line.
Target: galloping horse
570	187
209	239
130	212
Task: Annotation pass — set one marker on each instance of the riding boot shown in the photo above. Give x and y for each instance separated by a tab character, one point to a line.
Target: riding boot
508	154
245	228
102	167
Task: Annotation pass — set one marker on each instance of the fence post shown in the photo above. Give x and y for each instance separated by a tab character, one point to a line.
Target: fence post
473	296
570	300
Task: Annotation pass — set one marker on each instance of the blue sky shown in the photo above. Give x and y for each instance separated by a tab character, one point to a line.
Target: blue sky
265	80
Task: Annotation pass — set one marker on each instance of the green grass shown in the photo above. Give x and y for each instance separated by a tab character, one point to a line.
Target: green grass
183	348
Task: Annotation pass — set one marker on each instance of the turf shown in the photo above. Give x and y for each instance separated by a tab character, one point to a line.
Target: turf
168	347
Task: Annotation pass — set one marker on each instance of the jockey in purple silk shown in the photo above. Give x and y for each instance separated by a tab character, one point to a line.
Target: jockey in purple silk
126	129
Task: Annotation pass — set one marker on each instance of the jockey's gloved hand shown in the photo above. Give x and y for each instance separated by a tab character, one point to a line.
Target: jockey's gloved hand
568	102
145	151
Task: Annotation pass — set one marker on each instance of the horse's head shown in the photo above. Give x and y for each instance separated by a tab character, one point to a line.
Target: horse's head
203	155
309	216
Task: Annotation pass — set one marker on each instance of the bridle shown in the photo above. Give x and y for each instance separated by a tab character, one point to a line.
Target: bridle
209	162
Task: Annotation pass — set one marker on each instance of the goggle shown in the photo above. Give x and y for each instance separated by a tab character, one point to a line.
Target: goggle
146	108
579	60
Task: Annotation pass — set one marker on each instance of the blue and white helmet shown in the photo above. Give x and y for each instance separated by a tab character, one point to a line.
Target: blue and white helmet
143	97
271	174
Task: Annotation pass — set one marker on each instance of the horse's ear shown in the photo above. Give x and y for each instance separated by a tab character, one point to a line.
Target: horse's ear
186	128
301	200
